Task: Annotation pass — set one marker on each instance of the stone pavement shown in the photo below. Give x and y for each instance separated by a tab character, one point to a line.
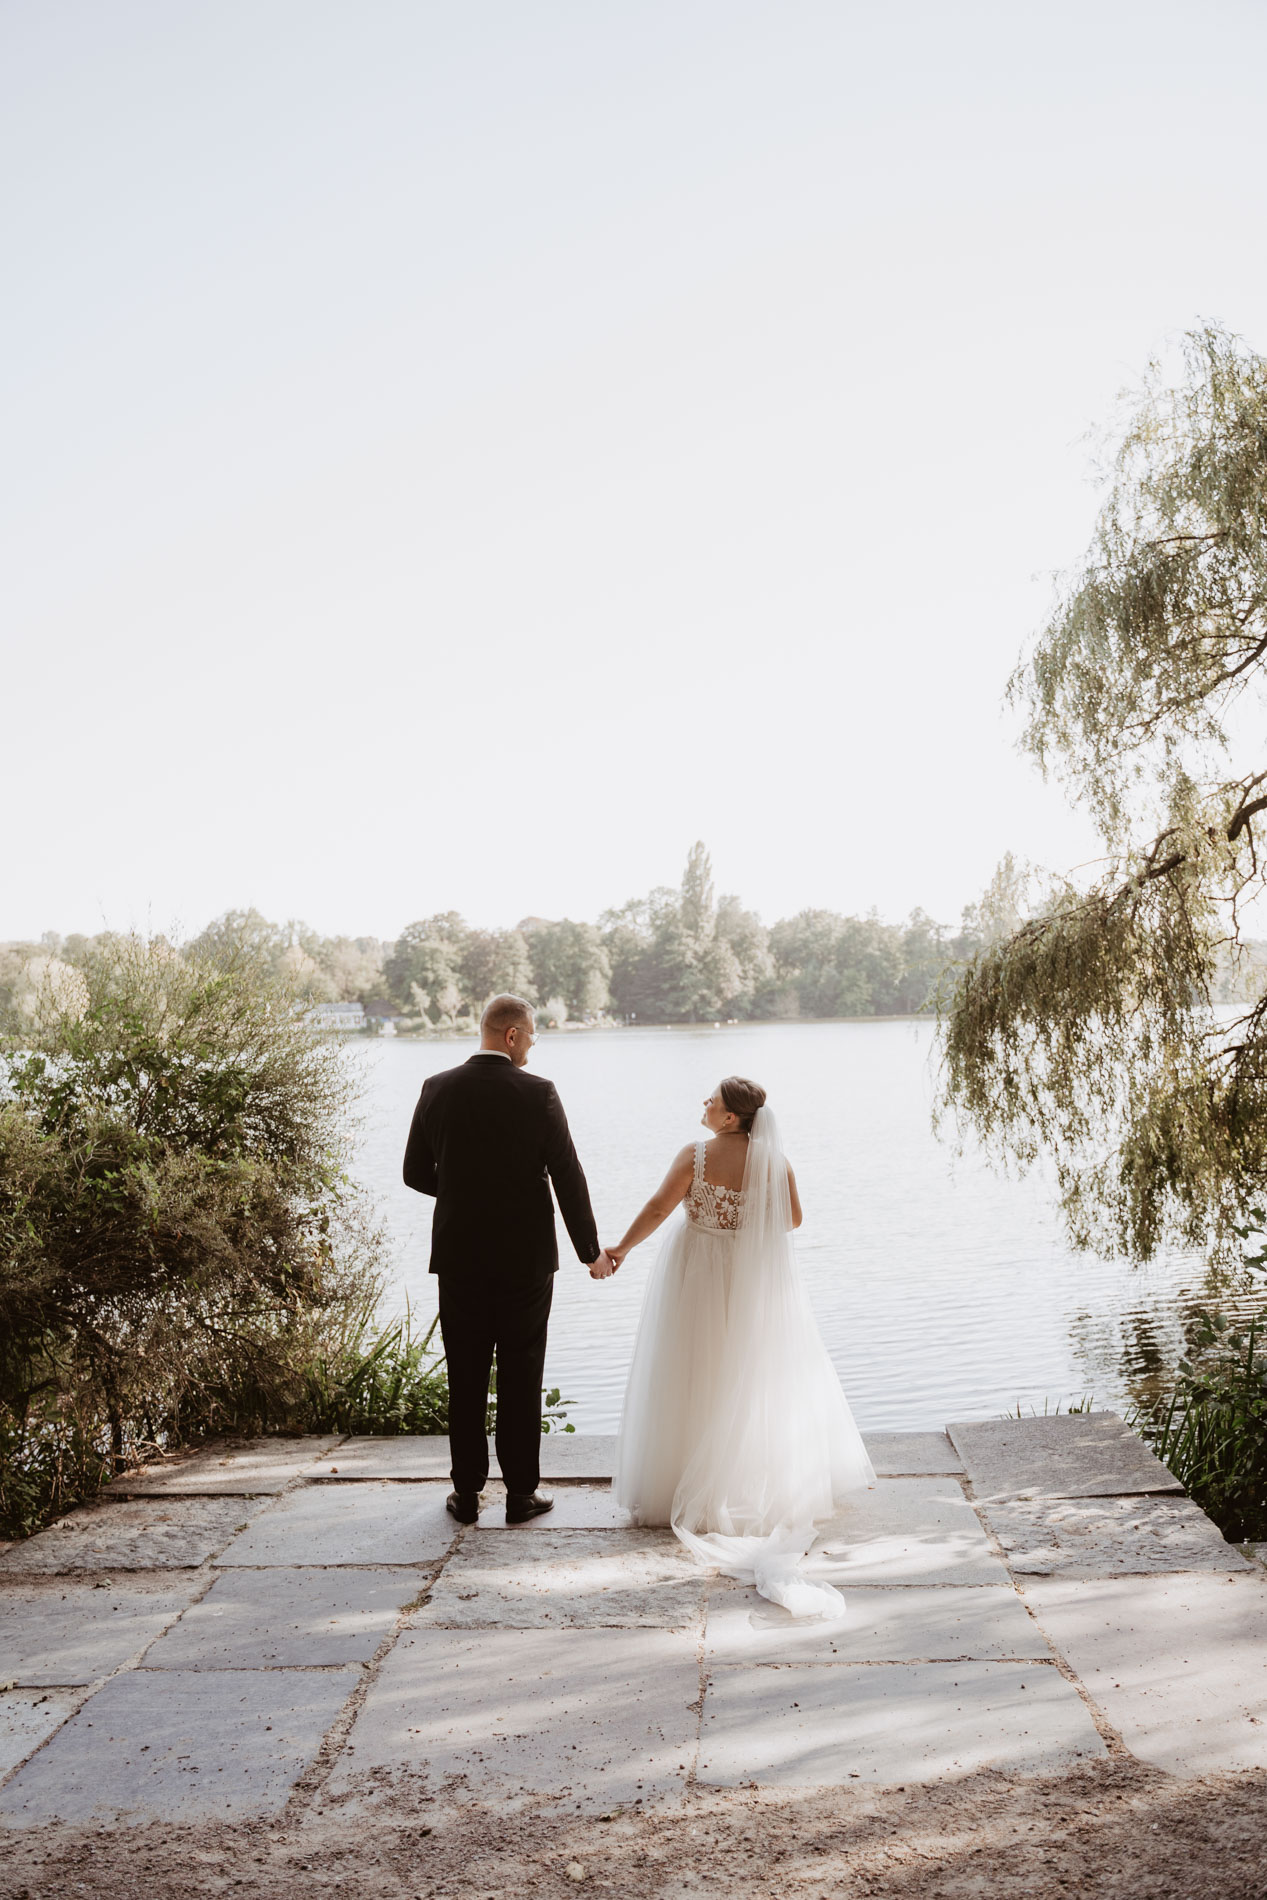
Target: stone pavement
298	1625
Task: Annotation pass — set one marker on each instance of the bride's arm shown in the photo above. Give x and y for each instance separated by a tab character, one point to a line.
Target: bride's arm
794	1197
662	1203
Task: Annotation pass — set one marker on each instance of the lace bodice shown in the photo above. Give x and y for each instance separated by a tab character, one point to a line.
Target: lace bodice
717	1208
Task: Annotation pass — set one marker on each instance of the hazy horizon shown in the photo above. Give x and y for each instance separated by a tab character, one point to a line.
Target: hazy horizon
457	459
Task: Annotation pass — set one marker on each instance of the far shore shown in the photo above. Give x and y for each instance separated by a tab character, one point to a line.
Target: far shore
732	1022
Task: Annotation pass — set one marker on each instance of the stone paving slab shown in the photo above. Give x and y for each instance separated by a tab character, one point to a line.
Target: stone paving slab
1109	1537
576	1456
28	1717
371	1523
406	1459
530	1578
66	1630
1073	1455
594	1716
579	1456
831	1725
906	1454
985	1623
576	1507
1177	1664
154	1745
274	1619
131	1534
231	1467
907	1530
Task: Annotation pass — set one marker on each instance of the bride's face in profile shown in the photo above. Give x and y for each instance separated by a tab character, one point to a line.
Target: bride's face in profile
717	1117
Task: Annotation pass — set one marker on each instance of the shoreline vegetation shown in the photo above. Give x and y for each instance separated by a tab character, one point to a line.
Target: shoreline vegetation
182	1250
679	955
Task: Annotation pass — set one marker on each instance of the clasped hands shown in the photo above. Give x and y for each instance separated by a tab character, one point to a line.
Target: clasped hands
609	1259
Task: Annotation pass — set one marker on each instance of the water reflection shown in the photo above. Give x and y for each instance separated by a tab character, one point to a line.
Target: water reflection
942	1290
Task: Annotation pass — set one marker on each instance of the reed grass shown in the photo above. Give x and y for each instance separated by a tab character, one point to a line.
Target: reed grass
1211	1429
358	1377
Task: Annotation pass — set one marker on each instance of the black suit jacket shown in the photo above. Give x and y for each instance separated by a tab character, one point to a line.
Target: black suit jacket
487	1140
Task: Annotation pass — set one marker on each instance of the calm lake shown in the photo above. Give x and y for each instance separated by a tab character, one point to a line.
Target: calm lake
942	1290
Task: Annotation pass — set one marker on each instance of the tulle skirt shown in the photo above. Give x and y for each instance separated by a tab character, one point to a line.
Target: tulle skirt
735	1430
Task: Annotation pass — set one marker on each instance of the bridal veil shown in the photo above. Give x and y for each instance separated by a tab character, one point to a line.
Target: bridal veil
766	1447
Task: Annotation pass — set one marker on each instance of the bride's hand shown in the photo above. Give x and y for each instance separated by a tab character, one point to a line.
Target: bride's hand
604	1266
616	1255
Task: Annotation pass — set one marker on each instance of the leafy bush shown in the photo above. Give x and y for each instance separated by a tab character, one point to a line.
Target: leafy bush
179	1241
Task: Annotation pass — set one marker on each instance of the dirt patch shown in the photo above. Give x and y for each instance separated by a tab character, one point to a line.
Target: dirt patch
1114	1831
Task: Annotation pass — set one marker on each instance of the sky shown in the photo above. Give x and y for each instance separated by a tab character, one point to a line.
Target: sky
455	457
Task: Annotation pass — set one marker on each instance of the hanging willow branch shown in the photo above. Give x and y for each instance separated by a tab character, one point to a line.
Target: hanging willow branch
1087	1034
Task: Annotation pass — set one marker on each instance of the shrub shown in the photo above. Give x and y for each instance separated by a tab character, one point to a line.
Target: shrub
179	1240
1211	1429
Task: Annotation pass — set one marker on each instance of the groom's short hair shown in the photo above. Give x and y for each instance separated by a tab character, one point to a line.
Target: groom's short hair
501	1011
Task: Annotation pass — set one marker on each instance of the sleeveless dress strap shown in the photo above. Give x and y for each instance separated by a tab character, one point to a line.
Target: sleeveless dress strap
699	1161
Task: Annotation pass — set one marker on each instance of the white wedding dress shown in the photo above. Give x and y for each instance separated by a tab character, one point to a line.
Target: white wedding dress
735	1430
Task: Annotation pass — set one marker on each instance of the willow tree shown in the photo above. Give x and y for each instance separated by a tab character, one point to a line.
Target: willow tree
1086	1032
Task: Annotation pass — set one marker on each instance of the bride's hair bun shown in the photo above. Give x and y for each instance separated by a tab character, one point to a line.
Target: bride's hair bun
742	1098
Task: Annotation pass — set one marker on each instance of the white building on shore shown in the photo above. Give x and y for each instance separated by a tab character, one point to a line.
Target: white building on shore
338	1016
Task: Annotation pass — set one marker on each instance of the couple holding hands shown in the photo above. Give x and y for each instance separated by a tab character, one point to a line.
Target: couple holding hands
735	1431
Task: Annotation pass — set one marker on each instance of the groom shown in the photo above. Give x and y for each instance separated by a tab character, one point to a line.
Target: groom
487	1140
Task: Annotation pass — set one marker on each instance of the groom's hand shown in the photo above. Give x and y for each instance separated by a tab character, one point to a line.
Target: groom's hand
603	1267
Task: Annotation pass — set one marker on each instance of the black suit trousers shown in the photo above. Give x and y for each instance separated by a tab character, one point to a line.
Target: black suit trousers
478	1322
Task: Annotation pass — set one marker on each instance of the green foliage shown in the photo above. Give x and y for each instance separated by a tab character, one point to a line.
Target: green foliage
321	969
679	955
1085	1031
443	972
676	955
376	1380
47	1465
569	961
1211	1430
178	1238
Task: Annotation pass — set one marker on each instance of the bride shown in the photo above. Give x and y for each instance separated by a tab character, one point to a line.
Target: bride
735	1430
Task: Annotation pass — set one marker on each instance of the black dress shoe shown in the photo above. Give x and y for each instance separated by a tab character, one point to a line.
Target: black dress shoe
464	1505
521	1505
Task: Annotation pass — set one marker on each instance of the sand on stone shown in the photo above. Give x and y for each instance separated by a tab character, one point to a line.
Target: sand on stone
1178	1664
907	1530
132	1534
816	1724
987	1622
528	1577
507	1716
1109	1537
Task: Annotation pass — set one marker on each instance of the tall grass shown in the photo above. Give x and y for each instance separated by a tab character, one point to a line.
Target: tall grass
1211	1429
364	1379
378	1381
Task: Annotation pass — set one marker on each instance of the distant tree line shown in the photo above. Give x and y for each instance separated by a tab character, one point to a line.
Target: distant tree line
677	955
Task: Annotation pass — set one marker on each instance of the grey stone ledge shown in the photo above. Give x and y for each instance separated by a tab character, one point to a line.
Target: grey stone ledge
1070	1455
229	1467
1109	1537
